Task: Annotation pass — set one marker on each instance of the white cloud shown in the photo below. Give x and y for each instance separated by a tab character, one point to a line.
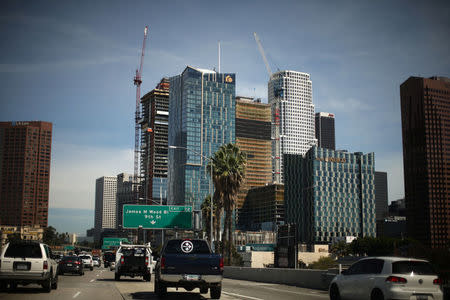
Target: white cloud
348	105
75	169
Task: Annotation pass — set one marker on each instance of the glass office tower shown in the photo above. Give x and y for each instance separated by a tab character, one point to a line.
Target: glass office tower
201	119
330	194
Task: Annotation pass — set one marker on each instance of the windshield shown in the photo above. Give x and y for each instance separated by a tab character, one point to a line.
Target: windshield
416	267
24	250
187	247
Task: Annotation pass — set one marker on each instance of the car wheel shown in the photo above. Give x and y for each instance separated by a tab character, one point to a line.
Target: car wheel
147	277
376	295
13	285
92	268
215	292
3	285
160	290
203	290
55	282
47	285
334	293
116	276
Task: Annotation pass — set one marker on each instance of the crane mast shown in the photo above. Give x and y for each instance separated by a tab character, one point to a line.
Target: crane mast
137	80
261	50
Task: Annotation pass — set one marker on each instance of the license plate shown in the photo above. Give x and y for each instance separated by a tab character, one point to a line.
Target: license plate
422	297
21	267
69	265
192	277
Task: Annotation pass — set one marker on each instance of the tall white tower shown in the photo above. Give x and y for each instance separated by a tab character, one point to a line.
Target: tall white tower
293	125
105	203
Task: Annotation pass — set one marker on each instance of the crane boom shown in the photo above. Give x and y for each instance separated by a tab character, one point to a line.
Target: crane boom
137	116
261	50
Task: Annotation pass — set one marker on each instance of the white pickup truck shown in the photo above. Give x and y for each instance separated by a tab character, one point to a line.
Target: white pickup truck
134	260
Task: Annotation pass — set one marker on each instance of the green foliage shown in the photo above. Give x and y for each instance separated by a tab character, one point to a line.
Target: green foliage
324	263
53	238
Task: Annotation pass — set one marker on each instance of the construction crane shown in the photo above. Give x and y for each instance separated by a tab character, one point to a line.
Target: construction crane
137	80
261	50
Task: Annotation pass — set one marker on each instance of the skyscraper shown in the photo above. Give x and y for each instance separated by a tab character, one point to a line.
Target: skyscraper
154	133
201	119
381	200
25	156
425	108
105	203
253	129
124	195
325	133
290	95
330	194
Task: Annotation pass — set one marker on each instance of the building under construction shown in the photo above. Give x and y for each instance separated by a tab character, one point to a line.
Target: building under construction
253	137
154	145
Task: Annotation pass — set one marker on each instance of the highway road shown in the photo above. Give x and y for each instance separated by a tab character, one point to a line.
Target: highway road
100	285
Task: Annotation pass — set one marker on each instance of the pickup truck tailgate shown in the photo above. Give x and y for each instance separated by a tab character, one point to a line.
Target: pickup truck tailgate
199	264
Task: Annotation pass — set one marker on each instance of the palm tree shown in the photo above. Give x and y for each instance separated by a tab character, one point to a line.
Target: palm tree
228	174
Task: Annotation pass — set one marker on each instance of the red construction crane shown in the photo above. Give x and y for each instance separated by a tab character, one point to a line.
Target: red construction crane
137	82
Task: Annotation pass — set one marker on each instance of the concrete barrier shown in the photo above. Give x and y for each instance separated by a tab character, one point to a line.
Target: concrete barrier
313	279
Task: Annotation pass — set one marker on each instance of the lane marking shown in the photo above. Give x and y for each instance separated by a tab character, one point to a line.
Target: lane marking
312	293
98	275
76	295
238	295
92	280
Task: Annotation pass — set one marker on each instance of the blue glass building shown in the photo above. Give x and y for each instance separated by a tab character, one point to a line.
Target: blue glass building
330	194
201	119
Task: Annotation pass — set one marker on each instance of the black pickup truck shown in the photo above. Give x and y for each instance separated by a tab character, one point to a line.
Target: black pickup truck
190	264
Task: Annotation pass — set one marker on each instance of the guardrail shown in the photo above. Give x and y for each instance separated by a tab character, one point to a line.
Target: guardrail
313	279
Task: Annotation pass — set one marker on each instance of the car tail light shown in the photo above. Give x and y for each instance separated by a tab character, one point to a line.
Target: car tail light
396	279
163	263
77	263
45	265
437	281
221	264
146	261
122	261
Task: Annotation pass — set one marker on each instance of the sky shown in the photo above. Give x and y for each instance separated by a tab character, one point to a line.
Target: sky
72	63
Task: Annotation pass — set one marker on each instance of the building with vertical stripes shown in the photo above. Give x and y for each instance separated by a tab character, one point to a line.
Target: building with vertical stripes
201	119
325	132
105	204
25	157
425	109
330	194
293	126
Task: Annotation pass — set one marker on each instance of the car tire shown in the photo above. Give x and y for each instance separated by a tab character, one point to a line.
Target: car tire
55	282
116	276
3	286
334	293
160	290
376	295
147	277
215	292
13	286
92	268
47	285
204	290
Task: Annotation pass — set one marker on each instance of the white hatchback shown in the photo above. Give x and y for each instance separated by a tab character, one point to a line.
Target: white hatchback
87	261
378	278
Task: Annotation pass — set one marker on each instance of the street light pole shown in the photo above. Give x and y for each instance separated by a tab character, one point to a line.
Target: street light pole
211	187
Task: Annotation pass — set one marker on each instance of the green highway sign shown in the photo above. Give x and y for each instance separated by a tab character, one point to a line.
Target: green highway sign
157	216
114	241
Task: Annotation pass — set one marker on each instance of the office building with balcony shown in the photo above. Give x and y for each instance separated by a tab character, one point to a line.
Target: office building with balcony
325	132
330	194
293	126
425	109
201	119
253	129
154	143
25	157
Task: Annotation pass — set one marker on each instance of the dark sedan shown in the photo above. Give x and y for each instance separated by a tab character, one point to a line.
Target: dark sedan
71	264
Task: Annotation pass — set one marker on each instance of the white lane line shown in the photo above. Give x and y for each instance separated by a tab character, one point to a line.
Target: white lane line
76	295
98	275
92	280
311	293
237	295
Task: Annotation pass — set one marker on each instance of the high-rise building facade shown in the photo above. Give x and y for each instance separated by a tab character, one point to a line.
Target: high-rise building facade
425	108
253	137
124	195
25	156
154	142
201	119
325	132
330	194
293	128
381	200
105	203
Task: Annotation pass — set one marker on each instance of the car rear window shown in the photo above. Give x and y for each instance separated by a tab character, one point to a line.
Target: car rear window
65	258
416	267
24	250
133	251
198	247
85	257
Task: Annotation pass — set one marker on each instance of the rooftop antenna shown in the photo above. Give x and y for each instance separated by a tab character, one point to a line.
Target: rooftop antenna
219	57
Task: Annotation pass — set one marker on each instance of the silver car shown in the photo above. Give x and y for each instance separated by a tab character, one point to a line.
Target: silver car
378	278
